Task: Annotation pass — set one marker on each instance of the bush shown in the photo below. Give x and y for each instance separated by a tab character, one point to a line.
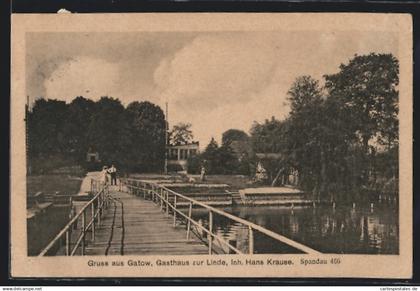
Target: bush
175	168
194	164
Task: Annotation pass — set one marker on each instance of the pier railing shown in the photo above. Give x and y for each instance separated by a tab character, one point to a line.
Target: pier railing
93	208
167	199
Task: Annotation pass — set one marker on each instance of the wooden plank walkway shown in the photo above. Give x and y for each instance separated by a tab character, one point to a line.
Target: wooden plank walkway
134	226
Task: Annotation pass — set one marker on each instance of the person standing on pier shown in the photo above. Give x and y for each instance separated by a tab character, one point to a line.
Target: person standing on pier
113	172
104	175
203	173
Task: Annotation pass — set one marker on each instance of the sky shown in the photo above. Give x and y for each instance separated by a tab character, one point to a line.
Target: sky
213	80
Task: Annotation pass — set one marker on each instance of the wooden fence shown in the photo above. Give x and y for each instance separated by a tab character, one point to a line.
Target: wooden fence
168	201
96	208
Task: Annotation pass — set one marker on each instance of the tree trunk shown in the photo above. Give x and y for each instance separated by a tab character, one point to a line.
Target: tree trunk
323	174
277	177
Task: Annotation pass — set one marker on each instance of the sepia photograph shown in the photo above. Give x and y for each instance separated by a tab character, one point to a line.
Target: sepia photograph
221	141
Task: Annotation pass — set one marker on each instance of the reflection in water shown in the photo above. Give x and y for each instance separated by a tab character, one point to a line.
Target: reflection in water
340	230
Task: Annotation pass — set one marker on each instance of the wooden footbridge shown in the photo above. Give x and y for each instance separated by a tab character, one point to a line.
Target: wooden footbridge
144	218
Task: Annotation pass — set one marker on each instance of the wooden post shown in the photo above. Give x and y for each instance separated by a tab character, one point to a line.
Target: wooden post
210	237
161	200
91	185
93	221
100	203
174	210
105	201
167	203
68	238
83	231
155	196
189	221
250	240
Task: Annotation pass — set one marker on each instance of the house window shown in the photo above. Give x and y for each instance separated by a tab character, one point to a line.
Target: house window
183	154
173	154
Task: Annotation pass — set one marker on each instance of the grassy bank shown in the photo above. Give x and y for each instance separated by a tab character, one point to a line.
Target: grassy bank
65	184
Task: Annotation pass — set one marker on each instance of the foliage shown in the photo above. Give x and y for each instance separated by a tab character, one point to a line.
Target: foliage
367	85
342	138
181	134
46	126
79	116
194	163
219	160
267	137
106	131
132	138
231	135
147	142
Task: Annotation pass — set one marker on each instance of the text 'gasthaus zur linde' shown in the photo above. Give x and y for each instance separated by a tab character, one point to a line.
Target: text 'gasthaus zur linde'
212	262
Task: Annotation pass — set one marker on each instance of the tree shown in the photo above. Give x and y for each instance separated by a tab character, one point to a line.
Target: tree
231	135
366	88
60	134
107	131
45	124
210	157
306	131
219	160
237	143
267	137
147	136
79	115
367	85
304	92
181	134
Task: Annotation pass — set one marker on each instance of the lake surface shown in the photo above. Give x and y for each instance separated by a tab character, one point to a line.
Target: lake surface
328	230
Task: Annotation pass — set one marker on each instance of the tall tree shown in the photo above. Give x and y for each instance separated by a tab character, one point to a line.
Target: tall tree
107	131
231	135
181	134
267	137
306	132
367	85
238	143
147	124
210	157
46	127
79	116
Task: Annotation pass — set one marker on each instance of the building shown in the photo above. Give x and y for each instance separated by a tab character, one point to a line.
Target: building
179	154
279	172
92	156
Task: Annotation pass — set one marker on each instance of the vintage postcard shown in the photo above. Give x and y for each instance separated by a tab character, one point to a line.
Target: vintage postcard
211	145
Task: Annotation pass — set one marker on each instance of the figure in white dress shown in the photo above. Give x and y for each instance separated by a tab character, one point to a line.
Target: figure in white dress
104	175
260	173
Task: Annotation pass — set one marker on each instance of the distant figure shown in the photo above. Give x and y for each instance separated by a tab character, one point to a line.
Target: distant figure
113	172
104	175
203	173
260	173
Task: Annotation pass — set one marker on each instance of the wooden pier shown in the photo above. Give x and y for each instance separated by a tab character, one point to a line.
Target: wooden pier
136	226
146	218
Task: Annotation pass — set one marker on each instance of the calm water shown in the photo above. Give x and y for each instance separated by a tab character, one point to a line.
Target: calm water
341	230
